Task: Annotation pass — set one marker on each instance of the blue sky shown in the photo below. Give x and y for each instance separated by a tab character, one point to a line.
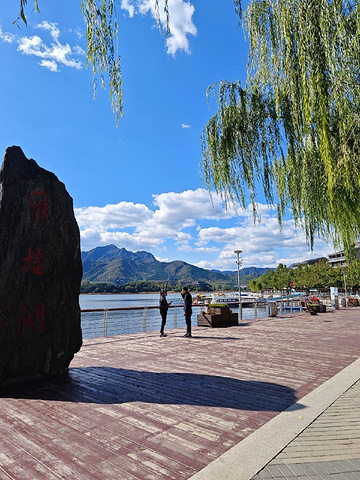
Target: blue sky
136	186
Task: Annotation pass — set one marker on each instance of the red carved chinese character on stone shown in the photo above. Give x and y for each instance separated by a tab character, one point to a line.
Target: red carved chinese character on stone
32	319
33	262
39	206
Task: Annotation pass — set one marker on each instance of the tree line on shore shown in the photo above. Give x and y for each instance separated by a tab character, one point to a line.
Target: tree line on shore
302	277
150	286
319	275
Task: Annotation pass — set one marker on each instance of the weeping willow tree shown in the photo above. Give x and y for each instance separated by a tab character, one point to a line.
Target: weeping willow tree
294	128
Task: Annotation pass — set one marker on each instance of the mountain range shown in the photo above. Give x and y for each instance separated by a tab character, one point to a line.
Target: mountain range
118	265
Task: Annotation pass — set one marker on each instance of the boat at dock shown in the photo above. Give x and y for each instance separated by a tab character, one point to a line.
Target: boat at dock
233	299
202	299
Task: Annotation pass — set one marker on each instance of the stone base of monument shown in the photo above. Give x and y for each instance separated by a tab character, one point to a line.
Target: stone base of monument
40	272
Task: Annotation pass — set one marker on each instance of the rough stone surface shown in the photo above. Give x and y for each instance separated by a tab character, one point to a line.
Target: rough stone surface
40	271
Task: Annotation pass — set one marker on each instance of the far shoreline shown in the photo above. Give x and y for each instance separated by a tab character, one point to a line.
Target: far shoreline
153	293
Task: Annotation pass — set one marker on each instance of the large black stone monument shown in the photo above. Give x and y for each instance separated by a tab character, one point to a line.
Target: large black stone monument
40	272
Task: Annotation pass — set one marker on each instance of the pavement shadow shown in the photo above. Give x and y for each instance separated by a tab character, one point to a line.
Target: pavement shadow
105	385
211	337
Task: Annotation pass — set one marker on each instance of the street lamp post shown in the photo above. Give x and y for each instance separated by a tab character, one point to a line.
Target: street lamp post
239	284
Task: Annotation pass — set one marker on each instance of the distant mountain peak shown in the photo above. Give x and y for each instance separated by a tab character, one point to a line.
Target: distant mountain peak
110	264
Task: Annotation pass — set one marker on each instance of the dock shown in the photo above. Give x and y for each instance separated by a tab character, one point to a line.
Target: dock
141	407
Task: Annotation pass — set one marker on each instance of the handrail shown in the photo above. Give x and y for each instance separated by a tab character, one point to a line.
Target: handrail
143	325
112	324
112	309
154	307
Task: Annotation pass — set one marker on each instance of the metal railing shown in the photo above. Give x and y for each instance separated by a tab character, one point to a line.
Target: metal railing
104	322
289	306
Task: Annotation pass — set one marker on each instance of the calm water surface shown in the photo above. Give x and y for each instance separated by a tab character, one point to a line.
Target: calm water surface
125	300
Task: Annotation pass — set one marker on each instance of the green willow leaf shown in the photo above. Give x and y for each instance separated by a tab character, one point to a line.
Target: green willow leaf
295	126
102	56
102	51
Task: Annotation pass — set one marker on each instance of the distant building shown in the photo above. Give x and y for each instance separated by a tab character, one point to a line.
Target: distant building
338	259
199	284
119	281
312	261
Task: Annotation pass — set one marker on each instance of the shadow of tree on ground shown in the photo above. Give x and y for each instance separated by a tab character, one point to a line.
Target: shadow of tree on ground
105	385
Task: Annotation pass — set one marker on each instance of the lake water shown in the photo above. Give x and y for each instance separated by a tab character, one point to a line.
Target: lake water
125	300
104	323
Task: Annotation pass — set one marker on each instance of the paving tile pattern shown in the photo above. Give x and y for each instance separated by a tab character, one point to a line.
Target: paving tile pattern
328	449
141	407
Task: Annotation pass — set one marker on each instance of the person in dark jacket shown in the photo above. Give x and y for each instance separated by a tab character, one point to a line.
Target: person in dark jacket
187	310
164	306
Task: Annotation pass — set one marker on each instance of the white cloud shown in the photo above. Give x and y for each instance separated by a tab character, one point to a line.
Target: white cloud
188	206
52	28
184	125
111	217
255	238
50	64
126	5
181	24
164	260
180	221
185	248
79	33
79	51
263	244
172	214
208	249
7	37
54	55
30	45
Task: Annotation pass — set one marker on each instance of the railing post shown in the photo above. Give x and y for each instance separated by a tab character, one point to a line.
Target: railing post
144	320
105	326
175	317
255	313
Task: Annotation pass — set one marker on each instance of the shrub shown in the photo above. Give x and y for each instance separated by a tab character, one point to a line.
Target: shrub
218	305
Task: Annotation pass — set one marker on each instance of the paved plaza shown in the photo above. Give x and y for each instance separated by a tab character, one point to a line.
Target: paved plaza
328	449
141	407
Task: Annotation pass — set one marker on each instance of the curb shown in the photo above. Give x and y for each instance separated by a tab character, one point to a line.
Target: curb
252	454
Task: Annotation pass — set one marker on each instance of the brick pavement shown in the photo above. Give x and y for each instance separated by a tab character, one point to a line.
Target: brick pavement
140	407
329	449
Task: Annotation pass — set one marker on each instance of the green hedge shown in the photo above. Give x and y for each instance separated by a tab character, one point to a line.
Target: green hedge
218	305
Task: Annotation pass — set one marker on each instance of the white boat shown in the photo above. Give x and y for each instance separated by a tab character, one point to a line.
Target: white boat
202	299
233	298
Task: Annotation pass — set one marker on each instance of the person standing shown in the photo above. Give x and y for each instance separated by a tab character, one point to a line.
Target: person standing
187	310
164	306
